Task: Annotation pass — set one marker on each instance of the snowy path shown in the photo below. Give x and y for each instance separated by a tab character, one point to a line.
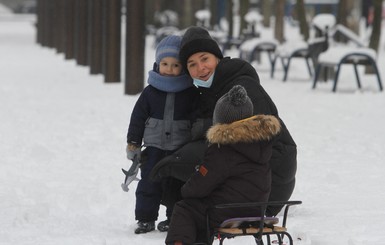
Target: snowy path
62	139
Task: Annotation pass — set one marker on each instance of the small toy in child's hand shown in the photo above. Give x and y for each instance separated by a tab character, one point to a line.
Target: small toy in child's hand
131	173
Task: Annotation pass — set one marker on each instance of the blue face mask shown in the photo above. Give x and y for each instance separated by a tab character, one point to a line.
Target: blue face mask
205	84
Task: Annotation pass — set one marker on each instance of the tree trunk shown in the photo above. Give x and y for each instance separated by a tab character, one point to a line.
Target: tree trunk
135	44
149	11
376	30
187	16
243	9
303	24
279	20
40	21
230	18
113	41
81	32
60	36
266	12
342	18
70	29
214	20
96	39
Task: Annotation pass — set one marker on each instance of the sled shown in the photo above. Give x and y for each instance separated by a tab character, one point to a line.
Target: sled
256	226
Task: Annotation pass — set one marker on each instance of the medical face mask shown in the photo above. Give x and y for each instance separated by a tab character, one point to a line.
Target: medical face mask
205	84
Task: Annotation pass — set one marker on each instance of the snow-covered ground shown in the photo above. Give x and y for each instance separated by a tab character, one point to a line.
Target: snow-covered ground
62	141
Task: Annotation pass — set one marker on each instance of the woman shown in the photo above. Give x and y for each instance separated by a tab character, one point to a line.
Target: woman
214	76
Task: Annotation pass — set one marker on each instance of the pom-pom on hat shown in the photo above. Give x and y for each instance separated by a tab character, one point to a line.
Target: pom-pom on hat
197	39
168	47
233	106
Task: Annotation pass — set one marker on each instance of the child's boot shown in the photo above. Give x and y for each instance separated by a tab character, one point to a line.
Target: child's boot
144	227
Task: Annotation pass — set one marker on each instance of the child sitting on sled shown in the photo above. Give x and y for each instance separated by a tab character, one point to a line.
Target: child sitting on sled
235	168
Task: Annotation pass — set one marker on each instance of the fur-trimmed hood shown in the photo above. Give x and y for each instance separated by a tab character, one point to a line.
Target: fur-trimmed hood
253	129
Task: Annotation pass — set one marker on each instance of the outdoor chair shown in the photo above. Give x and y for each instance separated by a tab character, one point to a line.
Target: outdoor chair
252	48
308	51
288	51
339	55
257	226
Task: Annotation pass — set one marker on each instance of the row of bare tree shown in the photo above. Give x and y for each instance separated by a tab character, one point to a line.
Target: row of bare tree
89	31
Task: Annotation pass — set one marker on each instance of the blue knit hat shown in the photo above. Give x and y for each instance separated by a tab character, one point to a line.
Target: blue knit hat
168	47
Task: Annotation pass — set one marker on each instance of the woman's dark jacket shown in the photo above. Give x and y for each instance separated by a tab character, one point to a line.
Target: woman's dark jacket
230	72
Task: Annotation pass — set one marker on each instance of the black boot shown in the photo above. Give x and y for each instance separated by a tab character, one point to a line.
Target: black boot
144	227
163	225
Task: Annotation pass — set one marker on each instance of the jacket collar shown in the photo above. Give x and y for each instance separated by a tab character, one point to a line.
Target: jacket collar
255	128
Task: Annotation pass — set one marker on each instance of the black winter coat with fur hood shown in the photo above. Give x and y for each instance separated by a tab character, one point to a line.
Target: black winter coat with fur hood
231	72
236	165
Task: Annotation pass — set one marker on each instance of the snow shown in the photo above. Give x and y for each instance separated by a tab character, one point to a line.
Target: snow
63	139
322	21
352	37
252	43
203	14
288	48
335	54
5	11
253	17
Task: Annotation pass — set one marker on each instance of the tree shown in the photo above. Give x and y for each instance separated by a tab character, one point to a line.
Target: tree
95	42
112	50
304	28
279	23
214	20
229	14
81	38
266	12
342	15
376	31
135	45
244	7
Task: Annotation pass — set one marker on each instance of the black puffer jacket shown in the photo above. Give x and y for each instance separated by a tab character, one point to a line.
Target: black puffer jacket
236	164
231	72
235	169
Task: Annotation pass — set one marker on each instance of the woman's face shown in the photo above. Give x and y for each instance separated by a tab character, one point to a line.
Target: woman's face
202	65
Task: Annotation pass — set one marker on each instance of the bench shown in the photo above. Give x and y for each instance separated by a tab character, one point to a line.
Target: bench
256	226
335	57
